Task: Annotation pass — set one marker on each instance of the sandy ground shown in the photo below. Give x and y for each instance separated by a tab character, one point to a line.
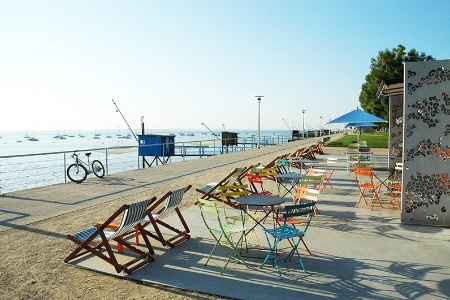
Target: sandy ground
31	257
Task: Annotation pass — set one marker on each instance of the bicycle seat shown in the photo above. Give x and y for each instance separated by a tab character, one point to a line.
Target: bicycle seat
88	154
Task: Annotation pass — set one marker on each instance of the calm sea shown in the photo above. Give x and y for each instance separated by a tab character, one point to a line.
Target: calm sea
35	170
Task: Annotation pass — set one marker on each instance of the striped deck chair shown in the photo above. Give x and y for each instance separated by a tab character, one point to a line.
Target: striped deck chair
94	239
157	212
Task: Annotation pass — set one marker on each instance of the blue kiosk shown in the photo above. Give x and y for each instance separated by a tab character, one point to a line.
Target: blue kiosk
160	147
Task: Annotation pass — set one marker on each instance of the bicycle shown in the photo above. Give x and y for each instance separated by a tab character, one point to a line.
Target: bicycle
78	171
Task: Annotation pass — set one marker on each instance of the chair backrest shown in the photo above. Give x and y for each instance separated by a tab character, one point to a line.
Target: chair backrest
234	177
309	181
283	165
303	193
133	214
254	180
233	190
298	210
363	175
210	207
331	165
172	201
364	165
268	172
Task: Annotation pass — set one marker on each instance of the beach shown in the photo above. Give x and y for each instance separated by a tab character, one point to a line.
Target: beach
32	255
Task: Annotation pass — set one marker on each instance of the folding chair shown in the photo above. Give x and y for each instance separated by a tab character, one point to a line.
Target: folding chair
286	231
395	190
95	238
234	191
301	194
330	167
367	186
222	232
171	202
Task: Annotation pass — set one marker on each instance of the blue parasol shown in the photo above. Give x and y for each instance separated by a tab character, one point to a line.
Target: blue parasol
358	118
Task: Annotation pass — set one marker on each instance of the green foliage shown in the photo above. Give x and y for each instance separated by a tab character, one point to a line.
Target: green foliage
387	65
379	139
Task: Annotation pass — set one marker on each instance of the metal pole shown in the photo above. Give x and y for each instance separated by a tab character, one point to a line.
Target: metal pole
321	126
259	120
303	131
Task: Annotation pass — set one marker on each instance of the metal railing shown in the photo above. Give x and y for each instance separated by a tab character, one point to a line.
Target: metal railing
20	172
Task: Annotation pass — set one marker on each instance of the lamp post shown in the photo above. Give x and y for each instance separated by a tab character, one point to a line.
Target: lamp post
320	125
303	131
259	120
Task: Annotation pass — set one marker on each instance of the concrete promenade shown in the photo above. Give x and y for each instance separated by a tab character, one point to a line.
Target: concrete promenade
358	253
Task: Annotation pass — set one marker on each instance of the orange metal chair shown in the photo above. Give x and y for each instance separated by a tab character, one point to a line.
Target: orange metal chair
395	191
367	186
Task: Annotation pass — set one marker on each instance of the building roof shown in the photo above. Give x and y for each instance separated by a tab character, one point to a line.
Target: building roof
390	87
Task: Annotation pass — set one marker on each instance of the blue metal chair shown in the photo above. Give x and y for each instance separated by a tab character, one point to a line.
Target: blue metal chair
288	232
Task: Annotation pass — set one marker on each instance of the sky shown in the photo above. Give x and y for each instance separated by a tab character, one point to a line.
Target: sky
182	63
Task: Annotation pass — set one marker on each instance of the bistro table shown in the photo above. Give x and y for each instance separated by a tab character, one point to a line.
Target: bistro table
288	181
258	200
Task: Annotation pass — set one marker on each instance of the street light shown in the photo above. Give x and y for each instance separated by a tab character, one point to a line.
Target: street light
259	119
303	132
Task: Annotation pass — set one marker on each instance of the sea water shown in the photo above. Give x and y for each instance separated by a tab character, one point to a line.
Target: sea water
23	164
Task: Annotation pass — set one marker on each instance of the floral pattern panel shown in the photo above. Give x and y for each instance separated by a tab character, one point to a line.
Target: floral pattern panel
426	145
395	130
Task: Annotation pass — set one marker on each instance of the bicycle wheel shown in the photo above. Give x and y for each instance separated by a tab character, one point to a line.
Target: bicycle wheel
98	168
77	173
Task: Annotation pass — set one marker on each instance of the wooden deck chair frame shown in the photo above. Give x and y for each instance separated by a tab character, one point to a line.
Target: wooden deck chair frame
367	186
318	148
286	231
171	201
213	192
273	163
222	232
94	239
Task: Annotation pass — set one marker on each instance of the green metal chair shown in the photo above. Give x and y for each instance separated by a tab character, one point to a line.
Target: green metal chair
222	231
288	232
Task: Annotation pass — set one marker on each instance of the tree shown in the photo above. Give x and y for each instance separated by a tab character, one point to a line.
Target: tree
387	65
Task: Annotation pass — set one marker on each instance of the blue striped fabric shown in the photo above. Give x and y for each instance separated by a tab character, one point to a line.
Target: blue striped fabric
171	203
133	215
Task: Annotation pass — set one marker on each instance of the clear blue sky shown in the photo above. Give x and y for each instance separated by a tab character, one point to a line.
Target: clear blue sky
181	63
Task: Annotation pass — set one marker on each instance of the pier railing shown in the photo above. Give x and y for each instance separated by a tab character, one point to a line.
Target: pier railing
20	172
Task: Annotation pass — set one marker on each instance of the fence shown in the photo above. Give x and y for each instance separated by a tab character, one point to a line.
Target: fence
20	172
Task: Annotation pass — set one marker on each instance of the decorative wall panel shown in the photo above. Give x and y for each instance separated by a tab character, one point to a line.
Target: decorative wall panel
426	143
395	130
